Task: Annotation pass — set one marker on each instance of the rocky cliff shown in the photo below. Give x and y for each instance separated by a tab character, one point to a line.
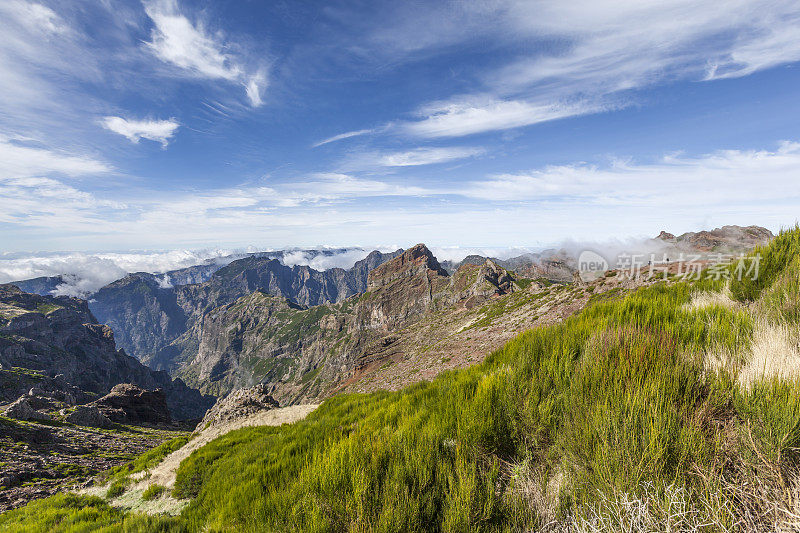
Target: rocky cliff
148	314
303	353
57	340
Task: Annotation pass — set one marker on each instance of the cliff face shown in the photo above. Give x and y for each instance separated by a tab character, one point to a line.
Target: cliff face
304	353
149	314
59	339
144	315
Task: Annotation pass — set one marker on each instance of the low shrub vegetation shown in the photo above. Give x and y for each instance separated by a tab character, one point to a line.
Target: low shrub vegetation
153	491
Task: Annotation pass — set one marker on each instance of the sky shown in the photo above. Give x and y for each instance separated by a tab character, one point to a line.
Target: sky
167	124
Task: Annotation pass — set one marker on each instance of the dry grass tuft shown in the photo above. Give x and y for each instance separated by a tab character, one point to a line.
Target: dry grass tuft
774	353
704	299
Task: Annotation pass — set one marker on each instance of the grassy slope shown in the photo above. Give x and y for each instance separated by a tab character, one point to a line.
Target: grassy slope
616	404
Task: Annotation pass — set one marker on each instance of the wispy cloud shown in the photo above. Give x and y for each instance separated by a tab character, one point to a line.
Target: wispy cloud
427	156
192	48
343	136
22	157
411	158
155	130
589	54
459	118
725	178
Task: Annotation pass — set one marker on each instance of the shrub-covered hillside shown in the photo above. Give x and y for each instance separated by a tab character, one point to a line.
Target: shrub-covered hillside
674	408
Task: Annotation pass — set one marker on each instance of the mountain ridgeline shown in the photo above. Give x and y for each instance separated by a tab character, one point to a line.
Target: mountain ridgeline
147	315
308	333
305	353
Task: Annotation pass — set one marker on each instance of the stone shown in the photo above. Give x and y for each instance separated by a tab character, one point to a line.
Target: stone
239	404
22	410
130	404
88	415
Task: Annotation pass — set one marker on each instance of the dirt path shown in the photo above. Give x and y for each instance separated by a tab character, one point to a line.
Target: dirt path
164	473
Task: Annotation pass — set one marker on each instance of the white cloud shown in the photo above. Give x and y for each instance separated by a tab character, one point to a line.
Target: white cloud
726	177
321	261
20	157
155	130
410	158
86	272
427	156
459	118
255	87
333	186
35	16
189	46
343	136
586	54
583	201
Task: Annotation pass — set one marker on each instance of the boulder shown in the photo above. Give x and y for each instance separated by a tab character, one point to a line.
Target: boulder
130	404
88	415
22	410
239	404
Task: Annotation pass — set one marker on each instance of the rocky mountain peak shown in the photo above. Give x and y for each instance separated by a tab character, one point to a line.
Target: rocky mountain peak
726	238
417	260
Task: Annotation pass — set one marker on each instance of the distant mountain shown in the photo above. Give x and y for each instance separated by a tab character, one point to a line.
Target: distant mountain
724	239
304	353
58	340
148	314
44	285
556	265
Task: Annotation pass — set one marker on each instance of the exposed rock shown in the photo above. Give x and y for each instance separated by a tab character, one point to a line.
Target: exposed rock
724	239
40	459
22	410
58	336
239	404
127	403
87	415
148	314
411	263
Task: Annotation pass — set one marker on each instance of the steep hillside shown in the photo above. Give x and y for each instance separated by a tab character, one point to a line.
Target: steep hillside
413	322
58	341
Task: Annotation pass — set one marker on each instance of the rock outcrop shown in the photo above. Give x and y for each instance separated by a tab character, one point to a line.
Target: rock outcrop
59	345
22	410
129	404
239	404
726	239
89	415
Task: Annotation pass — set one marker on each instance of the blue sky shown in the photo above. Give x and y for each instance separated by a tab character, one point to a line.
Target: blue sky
165	124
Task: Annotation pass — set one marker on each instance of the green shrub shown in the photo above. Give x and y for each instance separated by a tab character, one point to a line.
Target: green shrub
117	488
153	491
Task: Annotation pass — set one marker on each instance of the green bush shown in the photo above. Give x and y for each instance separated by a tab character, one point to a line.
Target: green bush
117	488
153	491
